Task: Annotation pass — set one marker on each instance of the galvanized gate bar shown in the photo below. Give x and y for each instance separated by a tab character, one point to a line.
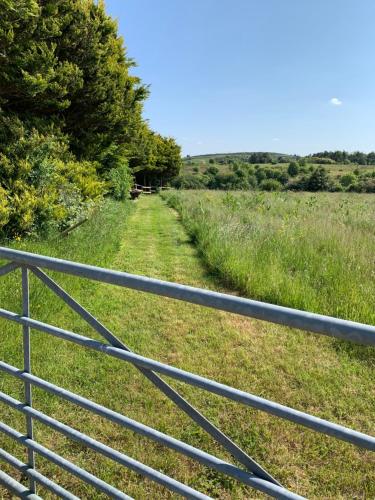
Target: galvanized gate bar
326	325
171	393
63	463
16	488
315	423
175	444
36	476
285	412
8	268
255	476
103	449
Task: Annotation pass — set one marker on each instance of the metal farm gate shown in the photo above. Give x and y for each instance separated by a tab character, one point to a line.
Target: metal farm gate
249	473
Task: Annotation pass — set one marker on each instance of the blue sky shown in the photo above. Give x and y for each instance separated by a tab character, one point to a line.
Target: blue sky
293	76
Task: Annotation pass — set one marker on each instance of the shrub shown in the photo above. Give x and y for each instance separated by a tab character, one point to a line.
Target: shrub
347	179
260	174
212	170
318	180
364	185
281	176
293	169
190	182
270	185
43	187
120	181
252	181
4	208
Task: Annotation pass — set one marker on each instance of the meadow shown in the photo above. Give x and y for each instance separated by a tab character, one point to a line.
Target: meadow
302	250
308	372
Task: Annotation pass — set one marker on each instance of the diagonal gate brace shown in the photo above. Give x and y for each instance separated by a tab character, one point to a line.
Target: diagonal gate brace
171	393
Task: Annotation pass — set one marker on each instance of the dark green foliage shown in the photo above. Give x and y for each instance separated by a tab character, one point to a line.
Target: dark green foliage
260	174
345	157
212	171
270	185
347	180
190	182
154	159
318	180
68	102
260	158
293	169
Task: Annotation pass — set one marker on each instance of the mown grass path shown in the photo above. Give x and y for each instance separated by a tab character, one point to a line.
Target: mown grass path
307	372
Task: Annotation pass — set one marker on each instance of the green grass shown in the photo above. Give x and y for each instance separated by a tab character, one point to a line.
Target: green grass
308	251
304	371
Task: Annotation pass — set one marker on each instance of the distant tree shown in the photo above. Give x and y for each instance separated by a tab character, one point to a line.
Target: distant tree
359	158
259	158
281	176
318	180
293	169
211	160
260	174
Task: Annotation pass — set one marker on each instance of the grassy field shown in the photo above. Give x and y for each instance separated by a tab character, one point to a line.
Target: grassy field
304	371
308	251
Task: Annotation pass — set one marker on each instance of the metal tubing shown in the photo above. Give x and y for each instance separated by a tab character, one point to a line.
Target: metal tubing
298	417
171	393
16	488
63	463
27	368
8	268
175	444
36	476
105	450
326	325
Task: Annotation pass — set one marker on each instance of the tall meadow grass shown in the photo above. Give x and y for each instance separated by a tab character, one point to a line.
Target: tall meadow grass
308	251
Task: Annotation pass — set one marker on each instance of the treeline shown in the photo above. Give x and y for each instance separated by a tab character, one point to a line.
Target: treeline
297	176
344	157
71	126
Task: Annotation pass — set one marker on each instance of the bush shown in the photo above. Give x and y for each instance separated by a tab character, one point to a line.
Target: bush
270	185
42	186
318	180
347	179
212	170
252	181
260	174
190	182
293	169
4	208
364	185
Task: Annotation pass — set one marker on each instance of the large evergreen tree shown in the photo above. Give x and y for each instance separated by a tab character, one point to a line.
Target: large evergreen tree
67	97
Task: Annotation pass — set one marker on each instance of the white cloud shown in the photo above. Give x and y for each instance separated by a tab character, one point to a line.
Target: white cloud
335	101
